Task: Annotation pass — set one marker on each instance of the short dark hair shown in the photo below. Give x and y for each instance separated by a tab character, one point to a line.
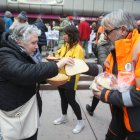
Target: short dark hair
73	34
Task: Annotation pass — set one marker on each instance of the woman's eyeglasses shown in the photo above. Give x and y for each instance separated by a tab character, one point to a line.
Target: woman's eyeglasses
107	32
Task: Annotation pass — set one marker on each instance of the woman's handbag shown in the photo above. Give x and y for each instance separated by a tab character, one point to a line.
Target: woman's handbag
22	122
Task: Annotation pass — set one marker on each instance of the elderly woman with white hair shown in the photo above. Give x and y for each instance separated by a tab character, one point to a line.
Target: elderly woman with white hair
20	75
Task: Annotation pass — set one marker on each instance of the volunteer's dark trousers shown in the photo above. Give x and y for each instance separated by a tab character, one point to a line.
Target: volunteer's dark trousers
117	129
68	97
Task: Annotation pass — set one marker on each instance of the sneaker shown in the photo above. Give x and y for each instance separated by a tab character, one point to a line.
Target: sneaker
62	119
88	107
79	127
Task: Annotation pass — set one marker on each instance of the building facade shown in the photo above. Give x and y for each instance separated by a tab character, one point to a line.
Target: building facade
87	8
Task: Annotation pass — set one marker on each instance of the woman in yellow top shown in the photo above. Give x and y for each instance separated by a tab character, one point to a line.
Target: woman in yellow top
71	48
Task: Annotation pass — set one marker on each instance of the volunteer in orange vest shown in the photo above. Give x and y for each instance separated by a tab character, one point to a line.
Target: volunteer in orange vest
121	29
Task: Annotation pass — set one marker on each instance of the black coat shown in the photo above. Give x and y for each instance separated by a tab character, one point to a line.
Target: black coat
42	40
103	51
19	75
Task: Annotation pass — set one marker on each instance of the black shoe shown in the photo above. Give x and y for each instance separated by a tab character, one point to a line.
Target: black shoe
88	107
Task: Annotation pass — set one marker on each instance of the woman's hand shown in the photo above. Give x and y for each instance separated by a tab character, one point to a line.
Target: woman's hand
64	61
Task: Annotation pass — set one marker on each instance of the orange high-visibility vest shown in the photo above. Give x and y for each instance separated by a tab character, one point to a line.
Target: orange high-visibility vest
128	58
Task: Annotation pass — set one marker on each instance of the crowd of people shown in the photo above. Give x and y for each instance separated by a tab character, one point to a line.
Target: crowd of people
115	44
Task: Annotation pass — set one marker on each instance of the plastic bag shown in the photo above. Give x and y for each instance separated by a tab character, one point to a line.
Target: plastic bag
125	81
106	80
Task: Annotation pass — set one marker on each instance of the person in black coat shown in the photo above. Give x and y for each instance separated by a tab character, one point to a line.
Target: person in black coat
20	72
2	29
42	40
103	49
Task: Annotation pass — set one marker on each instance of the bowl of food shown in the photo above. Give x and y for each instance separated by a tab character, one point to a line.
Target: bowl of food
58	80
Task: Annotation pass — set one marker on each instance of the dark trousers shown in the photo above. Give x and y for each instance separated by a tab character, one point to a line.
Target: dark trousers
84	44
40	48
95	102
117	129
68	97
